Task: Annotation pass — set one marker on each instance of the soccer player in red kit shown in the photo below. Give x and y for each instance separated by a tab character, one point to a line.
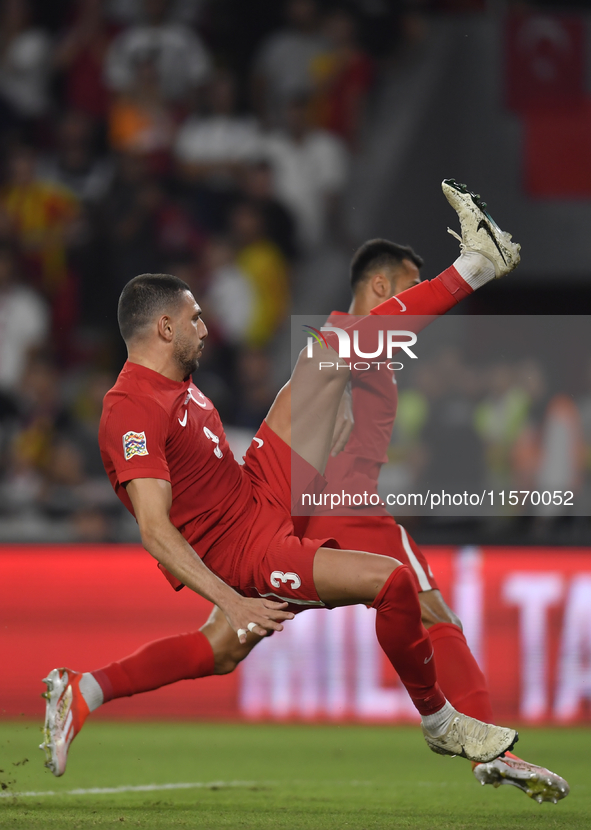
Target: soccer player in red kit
225	531
379	270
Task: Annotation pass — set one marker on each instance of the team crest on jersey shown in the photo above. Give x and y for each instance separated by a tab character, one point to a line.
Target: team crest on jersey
134	443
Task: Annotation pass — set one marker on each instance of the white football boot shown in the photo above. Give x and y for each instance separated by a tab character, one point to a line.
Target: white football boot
472	739
65	713
536	782
479	231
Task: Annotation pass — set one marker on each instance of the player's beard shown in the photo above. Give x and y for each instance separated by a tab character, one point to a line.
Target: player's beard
185	354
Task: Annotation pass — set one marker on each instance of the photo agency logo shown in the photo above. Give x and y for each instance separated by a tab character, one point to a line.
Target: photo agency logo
386	344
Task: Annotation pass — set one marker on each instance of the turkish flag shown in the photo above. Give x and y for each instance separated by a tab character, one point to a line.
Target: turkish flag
557	152
544	61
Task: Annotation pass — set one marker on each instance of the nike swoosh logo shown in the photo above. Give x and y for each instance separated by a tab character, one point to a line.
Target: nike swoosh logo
402	306
428	659
259	442
184	421
483	225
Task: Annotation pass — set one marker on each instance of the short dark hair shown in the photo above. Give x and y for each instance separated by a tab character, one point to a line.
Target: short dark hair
379	253
143	297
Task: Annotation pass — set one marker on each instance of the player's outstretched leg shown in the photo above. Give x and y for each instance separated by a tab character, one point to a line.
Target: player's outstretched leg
71	696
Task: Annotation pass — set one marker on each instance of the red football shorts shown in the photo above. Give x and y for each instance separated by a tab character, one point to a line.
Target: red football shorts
375	534
273	562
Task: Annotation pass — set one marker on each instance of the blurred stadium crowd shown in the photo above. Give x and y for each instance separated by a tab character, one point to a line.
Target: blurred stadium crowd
212	139
501	425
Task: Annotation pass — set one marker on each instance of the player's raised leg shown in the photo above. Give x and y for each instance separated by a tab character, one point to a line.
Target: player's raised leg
305	410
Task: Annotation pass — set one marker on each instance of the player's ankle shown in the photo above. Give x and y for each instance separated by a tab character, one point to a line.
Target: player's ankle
475	269
437	723
91	691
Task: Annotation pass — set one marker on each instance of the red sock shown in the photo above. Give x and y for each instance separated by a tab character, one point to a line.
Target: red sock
430	297
458	673
420	305
405	640
183	657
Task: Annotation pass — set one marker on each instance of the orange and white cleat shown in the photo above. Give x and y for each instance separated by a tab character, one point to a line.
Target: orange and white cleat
65	713
536	782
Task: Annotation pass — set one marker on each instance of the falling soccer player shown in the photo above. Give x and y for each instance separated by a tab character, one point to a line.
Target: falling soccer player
226	532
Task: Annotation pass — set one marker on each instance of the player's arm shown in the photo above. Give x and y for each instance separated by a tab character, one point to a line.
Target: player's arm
152	500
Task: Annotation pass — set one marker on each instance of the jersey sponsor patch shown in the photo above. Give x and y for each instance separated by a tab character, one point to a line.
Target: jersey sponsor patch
134	443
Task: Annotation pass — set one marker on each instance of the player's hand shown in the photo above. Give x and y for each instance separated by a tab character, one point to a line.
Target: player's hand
256	615
344	423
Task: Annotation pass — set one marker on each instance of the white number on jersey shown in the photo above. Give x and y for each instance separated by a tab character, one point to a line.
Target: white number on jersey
217	452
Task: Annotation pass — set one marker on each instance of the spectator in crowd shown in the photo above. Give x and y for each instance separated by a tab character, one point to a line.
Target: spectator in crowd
454	451
256	391
342	76
42	417
125	222
230	298
212	151
139	119
532	396
74	164
24	321
63	479
266	270
283	66
43	222
499	420
25	62
181	60
259	188
562	457
144	225
311	169
80	55
215	147
85	411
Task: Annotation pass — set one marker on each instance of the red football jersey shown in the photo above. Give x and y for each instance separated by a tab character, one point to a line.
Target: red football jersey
154	427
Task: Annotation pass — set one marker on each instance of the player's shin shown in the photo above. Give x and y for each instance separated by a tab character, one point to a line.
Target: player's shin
458	673
406	642
156	664
408	646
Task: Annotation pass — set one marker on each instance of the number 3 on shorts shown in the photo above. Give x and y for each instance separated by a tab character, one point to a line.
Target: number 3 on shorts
277	577
217	452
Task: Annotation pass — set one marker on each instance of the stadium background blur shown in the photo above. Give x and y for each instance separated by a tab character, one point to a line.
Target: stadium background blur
249	148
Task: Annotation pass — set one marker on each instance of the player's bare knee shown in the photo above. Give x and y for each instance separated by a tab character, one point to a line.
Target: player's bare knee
380	571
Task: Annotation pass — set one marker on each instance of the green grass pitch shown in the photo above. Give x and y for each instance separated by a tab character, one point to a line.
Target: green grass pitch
281	777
